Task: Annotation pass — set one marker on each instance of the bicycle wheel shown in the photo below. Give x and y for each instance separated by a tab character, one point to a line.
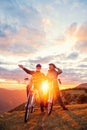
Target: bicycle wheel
27	111
50	107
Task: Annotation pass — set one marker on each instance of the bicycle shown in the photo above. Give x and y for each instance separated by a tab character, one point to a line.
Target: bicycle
31	97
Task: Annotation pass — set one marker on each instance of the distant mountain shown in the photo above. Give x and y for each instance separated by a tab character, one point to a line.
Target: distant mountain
11	98
83	85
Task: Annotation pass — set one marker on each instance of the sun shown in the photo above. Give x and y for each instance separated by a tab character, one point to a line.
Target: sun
45	87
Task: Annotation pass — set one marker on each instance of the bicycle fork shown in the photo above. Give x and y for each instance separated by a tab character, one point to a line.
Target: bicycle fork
31	104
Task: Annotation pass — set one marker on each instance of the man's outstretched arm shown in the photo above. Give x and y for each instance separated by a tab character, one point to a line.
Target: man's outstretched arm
25	69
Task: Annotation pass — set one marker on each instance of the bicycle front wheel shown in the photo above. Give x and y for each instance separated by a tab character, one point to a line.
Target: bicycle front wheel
27	111
50	107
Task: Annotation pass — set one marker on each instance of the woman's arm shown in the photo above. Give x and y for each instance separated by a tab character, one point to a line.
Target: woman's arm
58	70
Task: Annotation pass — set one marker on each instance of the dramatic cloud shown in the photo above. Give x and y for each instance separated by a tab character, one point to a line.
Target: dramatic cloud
81	43
73	56
81	32
72	29
43	31
16	75
24	41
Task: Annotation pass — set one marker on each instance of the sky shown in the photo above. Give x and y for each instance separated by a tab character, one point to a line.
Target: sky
43	31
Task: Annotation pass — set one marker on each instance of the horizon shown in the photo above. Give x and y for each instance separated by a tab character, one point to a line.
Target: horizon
11	85
43	31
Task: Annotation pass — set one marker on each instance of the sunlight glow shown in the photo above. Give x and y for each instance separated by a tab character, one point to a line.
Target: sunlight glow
45	87
12	84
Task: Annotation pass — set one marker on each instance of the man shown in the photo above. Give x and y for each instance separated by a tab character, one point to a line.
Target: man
52	76
37	79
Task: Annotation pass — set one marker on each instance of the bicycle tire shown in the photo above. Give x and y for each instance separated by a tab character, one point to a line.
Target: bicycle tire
26	117
50	108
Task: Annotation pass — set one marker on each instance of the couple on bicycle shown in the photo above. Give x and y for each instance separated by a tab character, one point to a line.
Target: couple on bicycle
38	78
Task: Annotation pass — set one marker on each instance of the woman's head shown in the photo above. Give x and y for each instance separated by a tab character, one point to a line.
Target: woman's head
52	66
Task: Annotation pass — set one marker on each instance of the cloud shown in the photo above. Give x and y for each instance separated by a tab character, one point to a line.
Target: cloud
43	60
83	66
46	22
84	60
25	41
81	43
75	34
72	29
70	78
77	31
16	74
73	56
29	34
19	13
81	47
76	5
81	32
20	34
60	40
7	29
21	29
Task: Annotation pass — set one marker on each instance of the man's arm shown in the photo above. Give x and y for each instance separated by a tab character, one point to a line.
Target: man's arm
26	70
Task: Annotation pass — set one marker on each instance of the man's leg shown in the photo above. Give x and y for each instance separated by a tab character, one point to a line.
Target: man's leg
61	102
41	101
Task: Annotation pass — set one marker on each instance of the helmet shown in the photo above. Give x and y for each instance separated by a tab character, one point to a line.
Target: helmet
52	65
38	65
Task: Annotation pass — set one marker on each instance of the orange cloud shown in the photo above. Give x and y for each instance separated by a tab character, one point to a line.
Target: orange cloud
71	30
82	32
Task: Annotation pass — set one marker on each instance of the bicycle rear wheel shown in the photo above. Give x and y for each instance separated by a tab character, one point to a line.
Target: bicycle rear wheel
50	107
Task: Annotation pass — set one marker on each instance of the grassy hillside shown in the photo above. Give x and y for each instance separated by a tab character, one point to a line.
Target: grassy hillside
83	85
74	119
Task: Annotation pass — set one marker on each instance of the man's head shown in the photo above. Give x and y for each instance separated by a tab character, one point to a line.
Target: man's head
52	66
38	67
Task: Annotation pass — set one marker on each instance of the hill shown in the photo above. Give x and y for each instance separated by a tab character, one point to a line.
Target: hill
11	98
83	85
74	119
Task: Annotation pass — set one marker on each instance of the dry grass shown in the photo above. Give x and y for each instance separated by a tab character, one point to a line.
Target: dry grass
78	92
74	119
